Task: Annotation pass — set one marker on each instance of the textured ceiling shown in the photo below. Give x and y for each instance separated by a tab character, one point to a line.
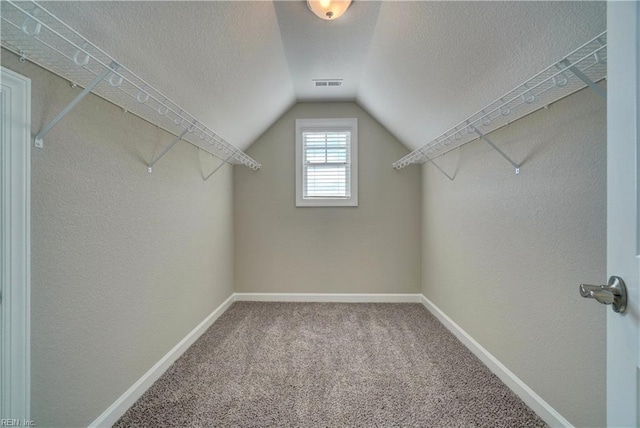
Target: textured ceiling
319	49
418	67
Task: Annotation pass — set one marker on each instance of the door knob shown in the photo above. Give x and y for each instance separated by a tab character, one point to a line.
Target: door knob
614	293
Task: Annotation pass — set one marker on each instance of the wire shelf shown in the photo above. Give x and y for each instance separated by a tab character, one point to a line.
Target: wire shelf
563	78
35	34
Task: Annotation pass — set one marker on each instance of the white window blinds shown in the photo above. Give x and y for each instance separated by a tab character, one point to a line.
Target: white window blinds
326	164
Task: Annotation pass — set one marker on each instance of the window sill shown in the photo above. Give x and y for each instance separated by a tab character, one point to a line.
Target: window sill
327	202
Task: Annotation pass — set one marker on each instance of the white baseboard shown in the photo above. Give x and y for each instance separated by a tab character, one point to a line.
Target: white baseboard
526	394
126	400
533	400
328	297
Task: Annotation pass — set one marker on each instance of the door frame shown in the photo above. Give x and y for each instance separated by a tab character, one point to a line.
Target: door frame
623	218
15	242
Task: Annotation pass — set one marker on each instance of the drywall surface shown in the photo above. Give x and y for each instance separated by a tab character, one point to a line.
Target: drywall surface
124	263
372	248
503	254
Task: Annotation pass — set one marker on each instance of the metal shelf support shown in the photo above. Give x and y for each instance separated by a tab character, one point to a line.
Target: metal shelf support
99	78
218	167
428	159
497	149
580	75
169	147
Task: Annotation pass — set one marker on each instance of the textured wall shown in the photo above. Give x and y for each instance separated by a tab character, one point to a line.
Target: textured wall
124	263
503	254
372	248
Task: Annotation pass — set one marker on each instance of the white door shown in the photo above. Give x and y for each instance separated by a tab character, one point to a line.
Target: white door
623	216
15	142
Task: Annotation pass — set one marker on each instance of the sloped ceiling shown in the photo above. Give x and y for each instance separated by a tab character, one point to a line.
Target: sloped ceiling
418	67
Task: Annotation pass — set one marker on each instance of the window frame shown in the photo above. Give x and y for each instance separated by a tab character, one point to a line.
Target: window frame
321	125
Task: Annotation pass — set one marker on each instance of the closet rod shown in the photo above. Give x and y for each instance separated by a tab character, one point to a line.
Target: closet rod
583	67
50	43
23	58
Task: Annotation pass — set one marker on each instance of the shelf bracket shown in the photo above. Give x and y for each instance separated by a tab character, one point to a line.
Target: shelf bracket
169	147
438	166
219	166
99	78
597	89
497	149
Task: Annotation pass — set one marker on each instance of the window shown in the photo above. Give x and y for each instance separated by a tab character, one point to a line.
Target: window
326	162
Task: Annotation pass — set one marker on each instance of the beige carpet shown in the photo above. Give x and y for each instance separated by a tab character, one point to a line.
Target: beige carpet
328	365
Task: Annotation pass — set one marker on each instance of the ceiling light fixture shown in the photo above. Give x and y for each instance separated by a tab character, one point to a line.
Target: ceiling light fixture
328	9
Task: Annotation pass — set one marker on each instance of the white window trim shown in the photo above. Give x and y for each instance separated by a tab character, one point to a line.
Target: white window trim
15	265
323	125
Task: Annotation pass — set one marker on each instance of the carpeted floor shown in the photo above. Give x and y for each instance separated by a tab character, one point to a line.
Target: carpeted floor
328	365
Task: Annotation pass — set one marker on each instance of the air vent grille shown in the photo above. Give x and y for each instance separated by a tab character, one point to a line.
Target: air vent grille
327	82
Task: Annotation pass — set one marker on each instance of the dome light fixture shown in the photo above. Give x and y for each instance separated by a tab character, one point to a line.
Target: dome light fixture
328	9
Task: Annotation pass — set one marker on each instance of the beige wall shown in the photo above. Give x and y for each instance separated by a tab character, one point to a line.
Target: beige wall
372	248
124	263
503	254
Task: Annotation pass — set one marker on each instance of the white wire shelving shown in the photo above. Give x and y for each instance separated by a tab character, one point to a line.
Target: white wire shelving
37	35
583	67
